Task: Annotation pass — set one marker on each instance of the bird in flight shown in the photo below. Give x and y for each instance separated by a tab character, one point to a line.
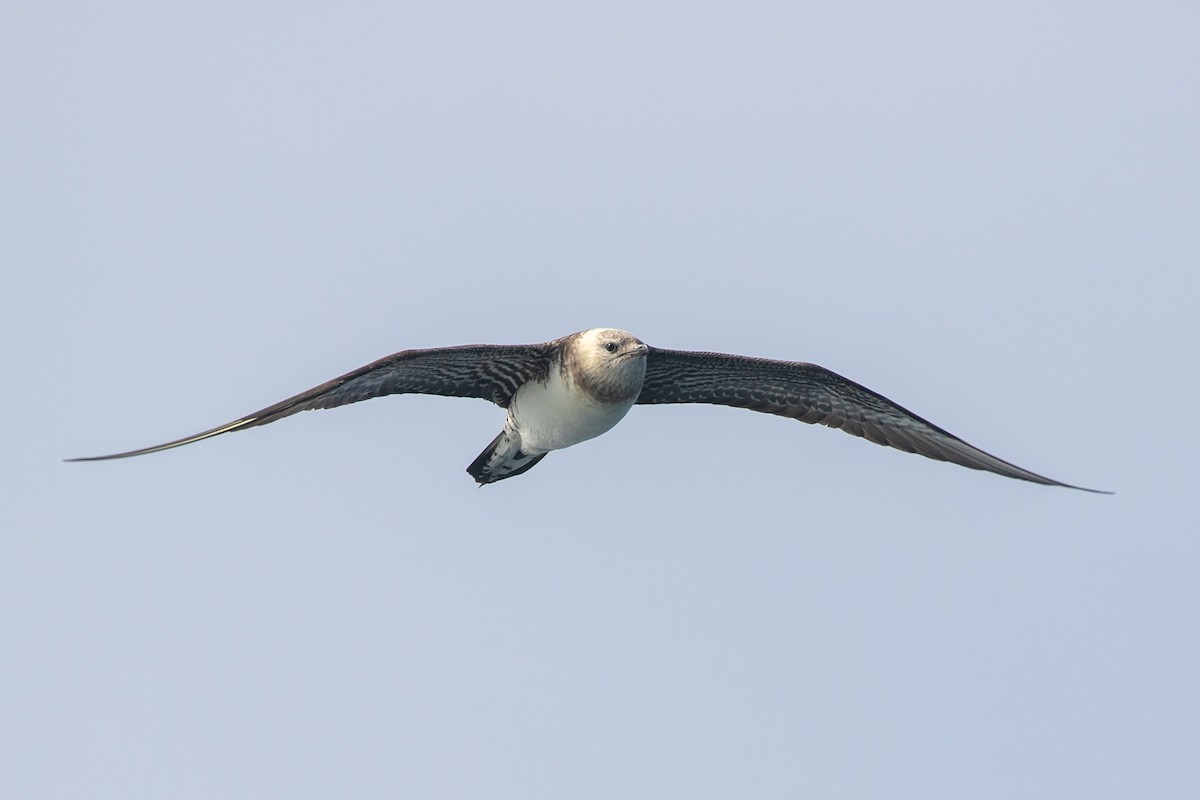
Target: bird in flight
572	389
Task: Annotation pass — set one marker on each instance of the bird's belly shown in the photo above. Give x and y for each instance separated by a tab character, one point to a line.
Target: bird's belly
550	416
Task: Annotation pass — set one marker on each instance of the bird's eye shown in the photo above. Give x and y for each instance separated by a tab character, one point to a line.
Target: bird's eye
610	347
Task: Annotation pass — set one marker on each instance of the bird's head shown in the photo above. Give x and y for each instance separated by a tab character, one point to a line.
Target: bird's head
608	363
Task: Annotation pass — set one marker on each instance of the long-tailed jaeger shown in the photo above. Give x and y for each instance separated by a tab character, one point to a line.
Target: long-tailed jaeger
575	388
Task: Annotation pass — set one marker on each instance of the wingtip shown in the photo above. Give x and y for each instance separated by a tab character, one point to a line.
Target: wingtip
1093	491
238	424
110	457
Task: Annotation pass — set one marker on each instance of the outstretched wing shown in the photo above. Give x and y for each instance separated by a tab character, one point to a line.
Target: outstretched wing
815	395
490	372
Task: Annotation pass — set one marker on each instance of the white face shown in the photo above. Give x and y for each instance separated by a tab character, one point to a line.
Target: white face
612	346
617	361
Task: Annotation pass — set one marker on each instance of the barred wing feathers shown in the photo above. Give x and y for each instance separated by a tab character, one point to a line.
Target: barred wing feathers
815	395
489	372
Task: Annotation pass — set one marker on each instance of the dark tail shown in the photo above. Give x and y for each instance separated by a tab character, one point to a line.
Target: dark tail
501	459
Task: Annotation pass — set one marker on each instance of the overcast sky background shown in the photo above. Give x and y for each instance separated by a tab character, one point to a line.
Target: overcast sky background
990	214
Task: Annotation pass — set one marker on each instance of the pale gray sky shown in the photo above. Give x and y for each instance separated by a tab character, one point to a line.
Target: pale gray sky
986	213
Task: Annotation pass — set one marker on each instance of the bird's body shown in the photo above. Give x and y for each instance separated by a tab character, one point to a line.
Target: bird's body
569	390
561	409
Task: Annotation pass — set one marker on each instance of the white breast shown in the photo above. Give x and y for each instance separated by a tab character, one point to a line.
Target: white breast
553	415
